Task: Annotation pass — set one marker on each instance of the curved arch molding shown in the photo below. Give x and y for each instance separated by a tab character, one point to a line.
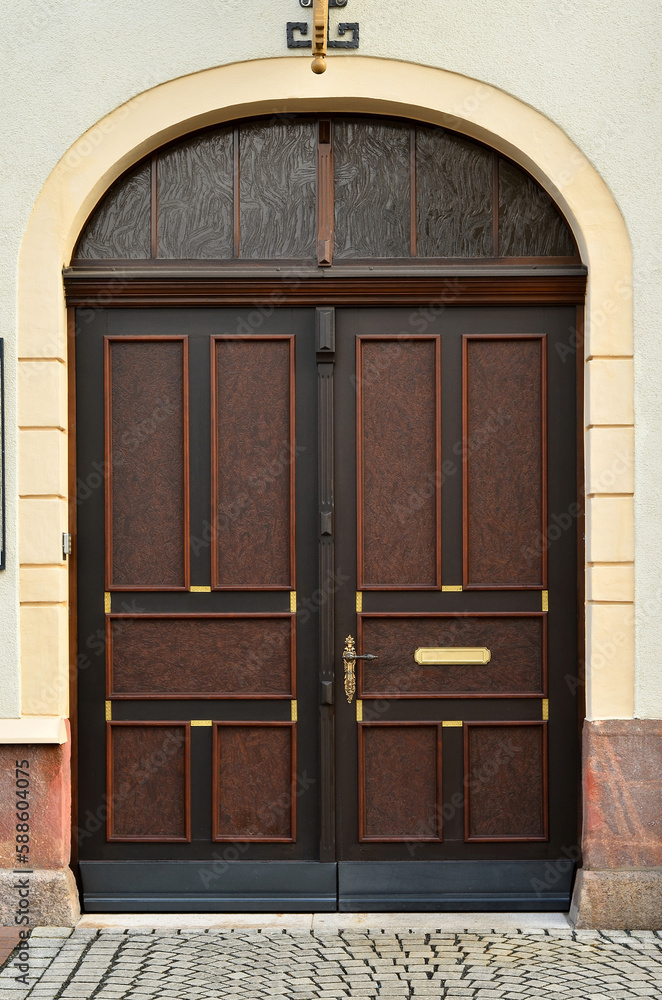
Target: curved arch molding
279	86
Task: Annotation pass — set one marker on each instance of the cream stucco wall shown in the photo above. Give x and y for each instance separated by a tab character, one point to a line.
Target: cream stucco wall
589	70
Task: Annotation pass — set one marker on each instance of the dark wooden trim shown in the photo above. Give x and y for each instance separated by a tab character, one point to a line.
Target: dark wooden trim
294	268
542	337
361	726
413	196
387	338
232	838
108	458
196	696
581	568
312	288
484	696
468	839
73	579
215	586
325	193
110	836
154	207
438	475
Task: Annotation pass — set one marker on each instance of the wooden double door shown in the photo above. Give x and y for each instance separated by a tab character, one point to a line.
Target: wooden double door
261	493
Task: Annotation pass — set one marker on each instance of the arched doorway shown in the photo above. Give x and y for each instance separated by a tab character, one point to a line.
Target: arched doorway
327	396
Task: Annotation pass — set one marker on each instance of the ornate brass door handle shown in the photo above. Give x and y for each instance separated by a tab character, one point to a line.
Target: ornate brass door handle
350	656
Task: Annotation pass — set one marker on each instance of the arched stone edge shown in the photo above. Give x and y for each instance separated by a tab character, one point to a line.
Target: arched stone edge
279	87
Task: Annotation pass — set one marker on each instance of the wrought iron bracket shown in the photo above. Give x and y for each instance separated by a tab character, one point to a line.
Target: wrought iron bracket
297	31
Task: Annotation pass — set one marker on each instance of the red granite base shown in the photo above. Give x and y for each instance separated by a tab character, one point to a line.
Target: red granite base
620	885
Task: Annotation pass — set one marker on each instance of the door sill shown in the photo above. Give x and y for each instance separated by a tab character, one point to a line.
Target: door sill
451	923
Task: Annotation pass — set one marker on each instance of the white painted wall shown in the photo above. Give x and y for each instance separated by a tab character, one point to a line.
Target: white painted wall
592	68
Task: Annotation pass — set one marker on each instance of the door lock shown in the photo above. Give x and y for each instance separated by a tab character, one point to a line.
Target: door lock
350	656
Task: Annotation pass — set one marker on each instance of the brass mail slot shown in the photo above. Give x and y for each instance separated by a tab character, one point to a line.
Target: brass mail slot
465	655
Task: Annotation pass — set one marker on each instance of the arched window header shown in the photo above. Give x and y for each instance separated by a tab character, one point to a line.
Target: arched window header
330	190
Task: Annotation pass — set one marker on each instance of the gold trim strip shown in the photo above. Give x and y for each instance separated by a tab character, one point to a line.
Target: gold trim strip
452	724
462	655
109	711
200	590
545	709
293	601
453	590
545	600
294	711
201	722
359	710
106	602
359	602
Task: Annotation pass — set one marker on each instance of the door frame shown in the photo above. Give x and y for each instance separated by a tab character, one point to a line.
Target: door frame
466	290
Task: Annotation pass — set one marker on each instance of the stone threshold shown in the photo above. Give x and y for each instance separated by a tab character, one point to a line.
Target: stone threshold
507	923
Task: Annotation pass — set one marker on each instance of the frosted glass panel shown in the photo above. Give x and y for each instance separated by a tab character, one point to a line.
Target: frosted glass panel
454	196
530	225
278	165
195	198
371	170
119	226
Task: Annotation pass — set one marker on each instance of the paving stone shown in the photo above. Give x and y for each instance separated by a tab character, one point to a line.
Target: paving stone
146	964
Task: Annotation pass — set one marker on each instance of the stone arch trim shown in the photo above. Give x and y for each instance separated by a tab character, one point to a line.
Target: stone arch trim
279	87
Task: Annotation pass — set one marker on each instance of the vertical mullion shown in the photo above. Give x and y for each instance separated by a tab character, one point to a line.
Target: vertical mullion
413	214
325	336
325	193
235	194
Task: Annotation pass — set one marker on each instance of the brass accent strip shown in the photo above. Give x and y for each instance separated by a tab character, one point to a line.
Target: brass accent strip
452	724
454	590
545	709
201	722
464	655
109	711
359	601
106	602
201	590
359	710
293	601
294	711
545	600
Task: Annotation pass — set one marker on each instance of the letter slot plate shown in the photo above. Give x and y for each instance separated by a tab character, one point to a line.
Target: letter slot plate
464	655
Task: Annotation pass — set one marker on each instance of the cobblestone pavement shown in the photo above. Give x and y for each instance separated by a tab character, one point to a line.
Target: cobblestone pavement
139	964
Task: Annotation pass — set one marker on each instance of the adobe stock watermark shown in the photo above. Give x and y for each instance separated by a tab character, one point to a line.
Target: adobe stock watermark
22	871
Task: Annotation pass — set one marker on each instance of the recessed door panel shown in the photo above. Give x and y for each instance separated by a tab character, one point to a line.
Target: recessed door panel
504	448
516	650
146	454
253	463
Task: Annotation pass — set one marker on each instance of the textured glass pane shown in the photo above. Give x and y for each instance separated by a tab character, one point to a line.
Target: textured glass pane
371	169
119	226
278	163
454	196
195	198
530	225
